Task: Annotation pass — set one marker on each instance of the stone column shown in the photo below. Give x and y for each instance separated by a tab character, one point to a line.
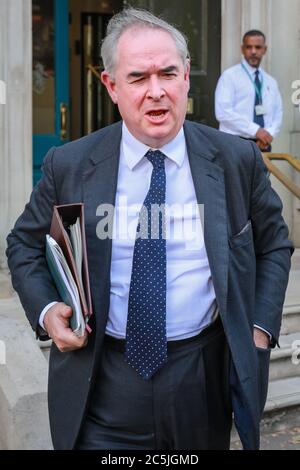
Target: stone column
231	33
23	376
256	14
295	140
285	66
15	115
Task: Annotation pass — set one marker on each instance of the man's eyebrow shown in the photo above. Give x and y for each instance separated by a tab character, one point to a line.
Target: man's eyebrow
135	74
171	68
138	74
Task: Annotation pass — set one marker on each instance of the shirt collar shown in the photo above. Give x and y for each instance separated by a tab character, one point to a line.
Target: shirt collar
134	150
250	69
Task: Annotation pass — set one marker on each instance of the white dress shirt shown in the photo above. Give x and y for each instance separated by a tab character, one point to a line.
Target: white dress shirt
235	98
190	293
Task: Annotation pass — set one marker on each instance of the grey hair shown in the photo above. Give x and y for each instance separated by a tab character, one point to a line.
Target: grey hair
130	18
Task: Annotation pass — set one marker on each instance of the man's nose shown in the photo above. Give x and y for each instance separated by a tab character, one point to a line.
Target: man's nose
155	88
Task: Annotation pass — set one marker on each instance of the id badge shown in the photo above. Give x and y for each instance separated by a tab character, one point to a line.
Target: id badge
259	110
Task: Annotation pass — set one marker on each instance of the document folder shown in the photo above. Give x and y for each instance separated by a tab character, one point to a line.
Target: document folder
66	255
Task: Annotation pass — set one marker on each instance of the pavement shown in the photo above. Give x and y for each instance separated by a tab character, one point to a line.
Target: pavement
287	439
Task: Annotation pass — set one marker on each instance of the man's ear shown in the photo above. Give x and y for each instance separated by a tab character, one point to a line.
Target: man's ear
187	73
110	85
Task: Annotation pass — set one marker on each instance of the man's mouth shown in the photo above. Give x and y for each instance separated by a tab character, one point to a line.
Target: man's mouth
157	113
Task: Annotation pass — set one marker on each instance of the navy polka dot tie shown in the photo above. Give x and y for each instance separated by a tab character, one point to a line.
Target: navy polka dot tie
146	340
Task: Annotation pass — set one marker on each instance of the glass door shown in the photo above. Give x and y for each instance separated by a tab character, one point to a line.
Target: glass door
50	87
97	108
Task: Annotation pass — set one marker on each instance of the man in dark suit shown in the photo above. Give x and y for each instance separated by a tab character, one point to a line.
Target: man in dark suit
183	319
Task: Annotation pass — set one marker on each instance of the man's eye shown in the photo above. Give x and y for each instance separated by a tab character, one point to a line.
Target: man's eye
138	79
255	47
169	75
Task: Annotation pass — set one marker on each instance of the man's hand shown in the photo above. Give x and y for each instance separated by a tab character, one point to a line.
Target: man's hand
56	322
261	145
261	339
263	137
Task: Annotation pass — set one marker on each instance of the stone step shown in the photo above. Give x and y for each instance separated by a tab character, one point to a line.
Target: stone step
283	393
24	420
45	347
6	290
282	409
290	319
284	360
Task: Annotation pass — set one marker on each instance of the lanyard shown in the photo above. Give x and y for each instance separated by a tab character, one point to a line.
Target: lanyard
257	91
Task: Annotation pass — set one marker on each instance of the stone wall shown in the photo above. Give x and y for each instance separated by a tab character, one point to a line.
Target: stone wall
16	114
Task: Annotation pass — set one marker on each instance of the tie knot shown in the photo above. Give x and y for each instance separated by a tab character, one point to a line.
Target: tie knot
256	73
157	158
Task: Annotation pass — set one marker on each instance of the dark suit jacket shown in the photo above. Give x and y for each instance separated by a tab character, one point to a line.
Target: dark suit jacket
247	246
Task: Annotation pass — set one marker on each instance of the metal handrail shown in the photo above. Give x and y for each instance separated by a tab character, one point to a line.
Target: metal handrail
294	162
287	182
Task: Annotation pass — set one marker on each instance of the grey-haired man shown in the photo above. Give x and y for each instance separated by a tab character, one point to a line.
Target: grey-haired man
182	327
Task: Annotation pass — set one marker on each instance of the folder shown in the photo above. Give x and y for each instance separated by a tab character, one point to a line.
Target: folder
66	254
65	284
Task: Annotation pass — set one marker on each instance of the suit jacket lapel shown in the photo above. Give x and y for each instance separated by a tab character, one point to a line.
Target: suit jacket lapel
99	192
209	184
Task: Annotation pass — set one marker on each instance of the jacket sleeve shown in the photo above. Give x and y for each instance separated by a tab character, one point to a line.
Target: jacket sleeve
26	248
273	251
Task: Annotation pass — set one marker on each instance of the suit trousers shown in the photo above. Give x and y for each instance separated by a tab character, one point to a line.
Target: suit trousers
186	405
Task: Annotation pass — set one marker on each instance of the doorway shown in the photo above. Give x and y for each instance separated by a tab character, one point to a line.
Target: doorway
90	105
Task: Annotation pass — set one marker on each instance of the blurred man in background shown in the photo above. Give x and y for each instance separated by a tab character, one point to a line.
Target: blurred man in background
247	99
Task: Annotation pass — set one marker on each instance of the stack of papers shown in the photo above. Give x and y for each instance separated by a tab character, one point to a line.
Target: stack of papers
63	277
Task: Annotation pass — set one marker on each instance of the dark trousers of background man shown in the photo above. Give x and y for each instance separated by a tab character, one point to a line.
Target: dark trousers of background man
184	406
